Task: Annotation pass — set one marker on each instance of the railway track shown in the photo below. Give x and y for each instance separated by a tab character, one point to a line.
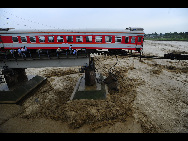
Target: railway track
64	56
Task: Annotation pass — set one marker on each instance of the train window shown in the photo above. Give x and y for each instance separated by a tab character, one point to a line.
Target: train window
24	39
60	39
126	39
108	38
98	38
133	40
69	38
15	39
88	38
41	39
0	39
139	39
117	38
79	39
33	39
50	38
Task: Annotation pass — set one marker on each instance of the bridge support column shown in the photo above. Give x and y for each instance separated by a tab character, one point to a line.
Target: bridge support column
14	76
90	85
19	87
90	75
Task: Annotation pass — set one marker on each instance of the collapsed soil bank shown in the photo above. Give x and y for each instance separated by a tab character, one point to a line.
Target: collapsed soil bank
150	92
160	104
54	103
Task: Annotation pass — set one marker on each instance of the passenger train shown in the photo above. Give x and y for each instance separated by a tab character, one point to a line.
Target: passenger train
90	39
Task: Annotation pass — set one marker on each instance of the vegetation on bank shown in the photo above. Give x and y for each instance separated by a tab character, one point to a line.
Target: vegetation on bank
182	36
166	39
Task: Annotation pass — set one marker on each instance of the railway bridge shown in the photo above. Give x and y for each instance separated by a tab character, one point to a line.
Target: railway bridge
42	59
13	62
13	67
13	71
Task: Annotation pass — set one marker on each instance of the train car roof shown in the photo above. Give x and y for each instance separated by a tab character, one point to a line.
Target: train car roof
13	30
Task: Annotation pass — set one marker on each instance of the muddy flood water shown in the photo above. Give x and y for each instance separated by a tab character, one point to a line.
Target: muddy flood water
152	97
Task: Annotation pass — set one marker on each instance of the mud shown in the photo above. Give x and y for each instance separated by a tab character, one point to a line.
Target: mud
151	97
55	104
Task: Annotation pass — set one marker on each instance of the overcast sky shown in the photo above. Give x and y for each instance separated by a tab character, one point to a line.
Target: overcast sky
158	20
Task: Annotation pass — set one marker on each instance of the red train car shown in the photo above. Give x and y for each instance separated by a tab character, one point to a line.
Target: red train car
112	39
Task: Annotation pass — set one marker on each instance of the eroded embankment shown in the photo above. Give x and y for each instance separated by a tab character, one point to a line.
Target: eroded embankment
160	104
153	92
54	103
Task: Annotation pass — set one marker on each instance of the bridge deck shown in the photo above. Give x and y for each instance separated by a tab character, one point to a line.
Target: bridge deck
67	61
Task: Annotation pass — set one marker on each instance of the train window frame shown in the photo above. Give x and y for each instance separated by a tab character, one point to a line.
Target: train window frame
108	40
15	39
51	41
89	39
98	39
69	39
139	39
40	40
133	39
126	39
24	40
79	38
118	39
60	39
32	40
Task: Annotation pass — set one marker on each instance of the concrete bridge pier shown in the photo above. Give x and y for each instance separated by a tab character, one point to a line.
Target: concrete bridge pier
90	75
14	76
90	85
19	87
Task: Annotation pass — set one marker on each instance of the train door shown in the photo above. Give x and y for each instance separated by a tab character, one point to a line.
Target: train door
140	40
139	43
